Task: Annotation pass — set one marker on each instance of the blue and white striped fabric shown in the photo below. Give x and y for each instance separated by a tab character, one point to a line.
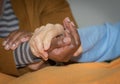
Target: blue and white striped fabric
23	56
10	23
8	20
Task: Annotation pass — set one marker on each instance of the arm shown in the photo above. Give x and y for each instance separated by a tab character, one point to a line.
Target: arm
99	43
17	41
55	13
40	12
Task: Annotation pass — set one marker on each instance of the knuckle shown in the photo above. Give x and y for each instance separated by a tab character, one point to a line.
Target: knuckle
35	38
58	25
49	25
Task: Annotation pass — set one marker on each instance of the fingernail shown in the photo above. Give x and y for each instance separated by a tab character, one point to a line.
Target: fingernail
7	47
13	47
72	24
68	19
4	43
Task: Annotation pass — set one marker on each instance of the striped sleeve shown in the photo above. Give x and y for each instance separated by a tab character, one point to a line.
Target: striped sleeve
9	23
23	56
8	20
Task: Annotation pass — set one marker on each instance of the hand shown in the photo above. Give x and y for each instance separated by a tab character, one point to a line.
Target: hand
38	65
39	43
15	39
56	42
64	53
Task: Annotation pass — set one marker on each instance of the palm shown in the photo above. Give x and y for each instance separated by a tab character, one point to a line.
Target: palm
65	53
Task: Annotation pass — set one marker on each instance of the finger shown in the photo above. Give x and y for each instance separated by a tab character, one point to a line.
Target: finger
74	32
13	38
43	33
42	53
38	30
16	42
59	42
66	21
72	29
14	45
20	39
10	39
34	52
57	30
36	66
7	39
24	39
4	42
26	36
78	52
37	39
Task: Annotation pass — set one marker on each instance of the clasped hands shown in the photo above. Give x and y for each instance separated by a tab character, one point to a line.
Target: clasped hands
56	42
53	41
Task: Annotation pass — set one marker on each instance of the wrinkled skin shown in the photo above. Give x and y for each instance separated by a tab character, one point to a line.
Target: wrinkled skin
62	47
15	38
59	46
39	39
65	53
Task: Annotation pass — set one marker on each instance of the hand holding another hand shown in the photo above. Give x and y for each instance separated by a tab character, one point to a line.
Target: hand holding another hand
55	42
41	40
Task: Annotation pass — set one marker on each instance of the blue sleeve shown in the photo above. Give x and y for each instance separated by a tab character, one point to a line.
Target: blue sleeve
99	43
91	35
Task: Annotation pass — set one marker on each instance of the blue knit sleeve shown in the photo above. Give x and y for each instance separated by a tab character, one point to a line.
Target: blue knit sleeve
99	43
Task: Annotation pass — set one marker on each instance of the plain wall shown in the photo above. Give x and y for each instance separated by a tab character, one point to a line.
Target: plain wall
94	12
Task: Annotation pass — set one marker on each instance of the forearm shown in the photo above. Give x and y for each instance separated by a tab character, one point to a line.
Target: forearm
90	36
23	56
99	43
57	12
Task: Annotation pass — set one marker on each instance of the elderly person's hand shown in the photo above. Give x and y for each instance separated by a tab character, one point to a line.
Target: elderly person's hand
66	52
64	43
39	41
15	38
